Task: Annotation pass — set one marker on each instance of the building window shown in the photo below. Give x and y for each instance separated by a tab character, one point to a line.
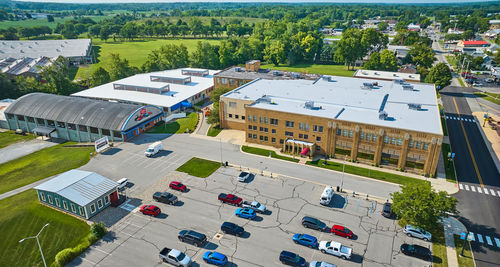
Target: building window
61	124
273	131
351	133
71	126
368	137
261	129
236	116
11	116
73	208
288	134
306	136
281	141
261	120
106	199
232	104
243	117
223	80
42	196
94	130
266	120
344	132
306	127
40	121
320	129
289	124
274	121
266	139
20	117
301	135
254	118
318	148
82	128
374	137
99	203
361	135
249	127
419	145
31	119
386	139
273	140
400	141
426	146
339	131
261	137
51	123
82	211
255	136
266	130
65	205
250	135
301	126
57	202
49	197
230	115
318	139
393	140
315	128
105	132
117	134
255	128
412	143
92	208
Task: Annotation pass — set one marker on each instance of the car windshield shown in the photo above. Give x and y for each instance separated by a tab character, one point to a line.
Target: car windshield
181	256
257	205
243	174
411	248
328	244
297	258
149	150
347	230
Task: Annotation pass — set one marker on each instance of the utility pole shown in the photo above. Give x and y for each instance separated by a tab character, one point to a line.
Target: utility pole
463	246
221	162
343	169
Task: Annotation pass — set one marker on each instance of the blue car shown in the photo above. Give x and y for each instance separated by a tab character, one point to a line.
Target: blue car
246	213
305	240
215	258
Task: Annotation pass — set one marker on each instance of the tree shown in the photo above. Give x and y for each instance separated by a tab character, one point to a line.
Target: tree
213	118
8	88
99	76
57	78
50	18
350	48
275	52
422	55
167	57
104	33
226	54
94	30
129	30
382	26
373	63
205	56
422	206
440	75
468	35
118	68
69	31
388	61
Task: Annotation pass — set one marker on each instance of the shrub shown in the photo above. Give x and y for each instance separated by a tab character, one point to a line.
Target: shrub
98	230
64	256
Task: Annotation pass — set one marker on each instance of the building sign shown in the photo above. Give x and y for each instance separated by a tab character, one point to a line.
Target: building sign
143	113
101	144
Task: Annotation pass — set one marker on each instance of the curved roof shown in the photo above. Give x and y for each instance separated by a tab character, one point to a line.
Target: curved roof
76	110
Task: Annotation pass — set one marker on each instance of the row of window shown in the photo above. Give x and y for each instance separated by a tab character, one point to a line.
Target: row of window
261	119
236	116
261	129
228	81
65	204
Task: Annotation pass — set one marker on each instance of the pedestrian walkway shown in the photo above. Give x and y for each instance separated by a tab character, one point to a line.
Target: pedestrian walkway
20	149
460	118
485	239
452	227
203	126
24	188
480	190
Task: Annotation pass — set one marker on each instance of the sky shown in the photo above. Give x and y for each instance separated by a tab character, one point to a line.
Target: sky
266	1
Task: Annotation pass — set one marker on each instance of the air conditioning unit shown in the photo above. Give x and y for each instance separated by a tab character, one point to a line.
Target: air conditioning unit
237	69
399	81
407	87
382	115
414	106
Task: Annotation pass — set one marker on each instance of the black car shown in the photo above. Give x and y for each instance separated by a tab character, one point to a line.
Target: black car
232	228
165	197
313	223
192	237
292	259
386	210
416	251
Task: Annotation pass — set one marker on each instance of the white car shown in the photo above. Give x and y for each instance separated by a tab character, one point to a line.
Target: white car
255	205
243	176
336	249
320	264
417	232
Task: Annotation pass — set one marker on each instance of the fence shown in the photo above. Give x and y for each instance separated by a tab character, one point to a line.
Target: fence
174	116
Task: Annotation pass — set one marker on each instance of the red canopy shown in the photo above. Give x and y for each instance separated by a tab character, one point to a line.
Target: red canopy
304	151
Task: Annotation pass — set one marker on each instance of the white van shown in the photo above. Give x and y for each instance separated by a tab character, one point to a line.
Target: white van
326	196
122	183
153	149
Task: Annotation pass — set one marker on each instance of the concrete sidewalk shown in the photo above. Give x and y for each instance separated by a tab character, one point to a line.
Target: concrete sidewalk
24	188
452	227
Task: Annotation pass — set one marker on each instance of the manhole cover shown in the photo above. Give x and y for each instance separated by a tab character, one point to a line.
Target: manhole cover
218	236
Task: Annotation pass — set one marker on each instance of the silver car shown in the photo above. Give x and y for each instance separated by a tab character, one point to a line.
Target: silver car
417	232
243	176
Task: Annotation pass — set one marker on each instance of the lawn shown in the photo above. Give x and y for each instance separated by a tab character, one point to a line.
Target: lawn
337	70
494	98
379	175
41	164
467	259
22	216
41	22
440	258
460	81
178	126
199	167
9	137
265	152
214	131
136	52
449	166
452	60
443	124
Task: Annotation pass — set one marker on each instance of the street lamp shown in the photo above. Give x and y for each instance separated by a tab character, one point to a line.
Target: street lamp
36	237
343	169
221	162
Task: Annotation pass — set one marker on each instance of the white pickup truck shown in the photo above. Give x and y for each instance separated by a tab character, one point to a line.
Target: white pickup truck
336	249
175	257
256	206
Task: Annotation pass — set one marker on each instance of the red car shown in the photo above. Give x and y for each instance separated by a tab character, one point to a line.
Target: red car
342	231
150	210
178	186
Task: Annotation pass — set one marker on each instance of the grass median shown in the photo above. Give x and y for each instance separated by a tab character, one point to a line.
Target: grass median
449	165
214	131
178	126
467	259
10	137
439	256
199	167
265	152
494	98
22	216
41	164
375	174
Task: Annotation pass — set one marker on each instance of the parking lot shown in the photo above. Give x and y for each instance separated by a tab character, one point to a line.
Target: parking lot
136	239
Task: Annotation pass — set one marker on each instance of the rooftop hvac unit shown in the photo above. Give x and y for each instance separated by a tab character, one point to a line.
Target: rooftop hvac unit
276	73
414	106
382	115
296	75
376	73
309	104
364	72
265	99
399	81
407	87
237	69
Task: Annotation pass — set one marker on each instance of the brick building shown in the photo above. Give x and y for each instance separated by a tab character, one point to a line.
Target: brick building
374	122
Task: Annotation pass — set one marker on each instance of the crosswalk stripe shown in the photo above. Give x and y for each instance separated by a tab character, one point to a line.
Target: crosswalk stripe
461	186
472	188
488	240
498	193
472	236
479	190
497	241
492	192
486	191
467	187
480	238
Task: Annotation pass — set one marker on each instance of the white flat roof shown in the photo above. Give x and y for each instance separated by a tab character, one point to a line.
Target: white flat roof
387	75
344	99
176	94
46	48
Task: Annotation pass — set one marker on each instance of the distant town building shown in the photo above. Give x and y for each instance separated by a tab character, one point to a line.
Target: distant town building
495	24
28	67
414	27
492	34
408	68
472	44
455	31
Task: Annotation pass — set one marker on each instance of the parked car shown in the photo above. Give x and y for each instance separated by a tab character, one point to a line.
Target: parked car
232	228
305	240
175	257
230	199
150	210
292	259
165	197
326	196
342	231
178	186
477	84
336	249
416	251
243	176
192	237
246	213
386	210
417	232
488	80
320	264
313	223
254	205
215	258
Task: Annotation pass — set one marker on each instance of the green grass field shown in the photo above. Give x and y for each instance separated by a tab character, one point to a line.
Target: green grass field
41	22
178	126
9	137
467	260
378	175
22	216
440	258
199	167
494	98
136	52
265	152
41	164
337	70
214	131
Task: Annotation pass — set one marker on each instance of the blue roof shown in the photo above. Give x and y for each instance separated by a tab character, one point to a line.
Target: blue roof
81	187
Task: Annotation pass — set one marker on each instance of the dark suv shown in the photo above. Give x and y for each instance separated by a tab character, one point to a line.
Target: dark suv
165	197
386	210
192	237
313	223
232	228
292	259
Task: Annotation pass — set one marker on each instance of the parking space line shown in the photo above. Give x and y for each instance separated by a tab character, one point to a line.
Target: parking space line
461	186
488	240
472	188
100	250
497	241
83	258
480	238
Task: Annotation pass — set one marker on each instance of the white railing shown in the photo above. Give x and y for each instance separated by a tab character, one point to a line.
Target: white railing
174	116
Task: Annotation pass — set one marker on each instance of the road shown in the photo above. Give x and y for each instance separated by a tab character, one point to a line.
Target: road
478	177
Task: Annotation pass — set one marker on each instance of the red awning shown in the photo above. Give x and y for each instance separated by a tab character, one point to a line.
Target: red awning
304	151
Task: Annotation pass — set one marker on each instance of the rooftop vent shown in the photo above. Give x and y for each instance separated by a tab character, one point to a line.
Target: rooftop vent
382	115
276	73
367	86
310	105
407	87
296	75
237	69
414	106
265	99
399	81
364	72
376	73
